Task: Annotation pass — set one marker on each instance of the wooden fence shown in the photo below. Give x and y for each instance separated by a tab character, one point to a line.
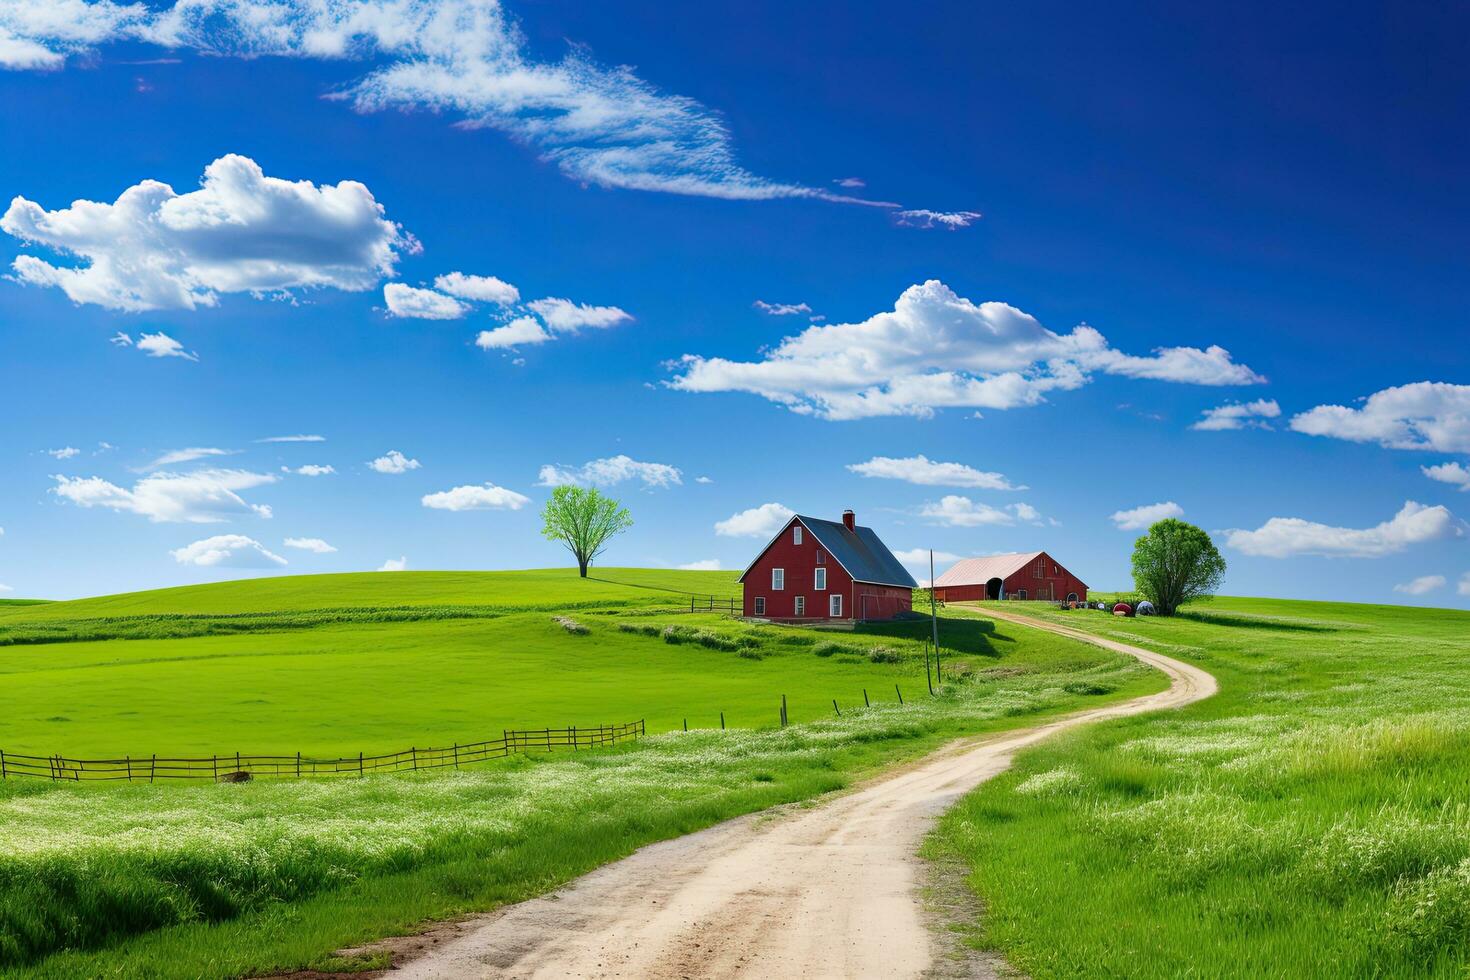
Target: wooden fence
714	603
239	767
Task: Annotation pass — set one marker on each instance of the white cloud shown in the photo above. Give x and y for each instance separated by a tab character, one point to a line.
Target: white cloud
5	588
519	332
1141	517
314	545
954	510
423	304
394	565
65	453
564	316
919	557
202	497
162	345
1285	537
121	339
1463	587
1424	415
310	469
781	309
241	232
1452	473
176	456
481	289
299	438
925	218
1422	585
757	522
609	471
394	462
227	551
850	182
1239	415
707	565
703	479
924	471
485	497
938	350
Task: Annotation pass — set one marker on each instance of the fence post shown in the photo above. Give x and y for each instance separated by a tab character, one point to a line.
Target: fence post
298	765
686	724
783	711
413	754
214	766
152	767
2	764
237	762
128	761
866	702
359	763
722	721
835	708
456	755
900	694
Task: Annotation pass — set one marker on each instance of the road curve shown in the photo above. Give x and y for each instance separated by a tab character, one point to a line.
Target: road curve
826	891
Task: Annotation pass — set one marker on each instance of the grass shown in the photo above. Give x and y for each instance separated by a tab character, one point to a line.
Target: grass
223	880
1312	819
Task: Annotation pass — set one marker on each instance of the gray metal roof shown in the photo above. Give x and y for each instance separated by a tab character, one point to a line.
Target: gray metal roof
861	552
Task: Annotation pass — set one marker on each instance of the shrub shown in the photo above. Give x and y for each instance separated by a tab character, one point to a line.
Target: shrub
570	625
1087	687
827	648
884	655
641	629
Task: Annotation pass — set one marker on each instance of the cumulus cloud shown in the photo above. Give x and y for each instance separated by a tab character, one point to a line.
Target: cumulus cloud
706	565
480	289
423	304
703	479
162	345
310	469
1286	537
1141	517
925	218
1452	473
611	470
240	232
757	522
66	452
1422	585
314	545
1239	415
924	471
565	316
1424	415
394	565
297	438
394	462
954	510
176	456
202	497
227	551
781	309
520	332
483	497
939	350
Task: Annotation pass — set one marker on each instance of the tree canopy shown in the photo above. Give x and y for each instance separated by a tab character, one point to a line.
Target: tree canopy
584	520
1175	563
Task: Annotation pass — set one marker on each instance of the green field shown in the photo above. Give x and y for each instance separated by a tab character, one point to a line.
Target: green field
1311	820
222	880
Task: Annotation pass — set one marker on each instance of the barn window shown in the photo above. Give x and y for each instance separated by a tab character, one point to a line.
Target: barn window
836	604
1055	570
821	558
778	579
801	605
1071	597
821	582
760	605
1041	568
796	534
1021	594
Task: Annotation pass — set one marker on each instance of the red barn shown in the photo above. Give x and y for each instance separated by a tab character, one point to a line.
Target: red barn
826	570
1028	575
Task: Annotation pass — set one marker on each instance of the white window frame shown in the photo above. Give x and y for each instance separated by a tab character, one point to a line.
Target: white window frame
800	605
760	605
819	580
796	534
834	605
778	580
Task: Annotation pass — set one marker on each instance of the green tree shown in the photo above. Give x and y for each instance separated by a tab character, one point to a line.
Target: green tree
1175	563
584	520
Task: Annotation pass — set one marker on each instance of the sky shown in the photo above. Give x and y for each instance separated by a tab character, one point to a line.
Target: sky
345	286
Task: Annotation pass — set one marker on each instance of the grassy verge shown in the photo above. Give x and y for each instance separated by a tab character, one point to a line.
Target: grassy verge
1312	819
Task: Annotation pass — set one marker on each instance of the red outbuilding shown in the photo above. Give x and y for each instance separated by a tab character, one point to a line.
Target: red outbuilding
826	570
1025	575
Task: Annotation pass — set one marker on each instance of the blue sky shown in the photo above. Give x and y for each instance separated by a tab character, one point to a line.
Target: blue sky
1260	208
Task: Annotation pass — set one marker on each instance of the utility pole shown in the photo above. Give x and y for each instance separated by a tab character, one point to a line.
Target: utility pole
934	618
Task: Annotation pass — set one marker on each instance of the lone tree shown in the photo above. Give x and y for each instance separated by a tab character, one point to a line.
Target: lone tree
1175	563
584	520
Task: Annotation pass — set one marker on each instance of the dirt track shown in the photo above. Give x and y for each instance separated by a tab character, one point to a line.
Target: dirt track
827	891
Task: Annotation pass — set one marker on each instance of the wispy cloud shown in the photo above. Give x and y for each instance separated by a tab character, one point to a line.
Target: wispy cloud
1239	415
1139	518
299	438
948	220
924	471
609	471
175	456
227	551
202	497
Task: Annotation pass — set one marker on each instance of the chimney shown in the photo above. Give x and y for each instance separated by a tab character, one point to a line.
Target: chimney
849	519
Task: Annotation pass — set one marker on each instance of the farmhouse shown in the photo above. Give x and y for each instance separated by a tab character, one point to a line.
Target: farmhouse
825	570
1025	575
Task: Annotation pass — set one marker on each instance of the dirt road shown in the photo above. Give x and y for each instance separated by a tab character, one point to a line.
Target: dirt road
830	891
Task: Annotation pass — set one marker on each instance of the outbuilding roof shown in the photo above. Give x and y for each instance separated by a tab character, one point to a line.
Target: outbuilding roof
860	552
978	571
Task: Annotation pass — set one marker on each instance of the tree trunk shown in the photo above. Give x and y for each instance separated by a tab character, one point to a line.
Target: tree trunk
582	568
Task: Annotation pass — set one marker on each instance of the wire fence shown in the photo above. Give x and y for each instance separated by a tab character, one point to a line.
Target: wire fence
242	768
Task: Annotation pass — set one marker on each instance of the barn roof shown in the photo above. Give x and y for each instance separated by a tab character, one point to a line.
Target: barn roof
861	552
978	571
